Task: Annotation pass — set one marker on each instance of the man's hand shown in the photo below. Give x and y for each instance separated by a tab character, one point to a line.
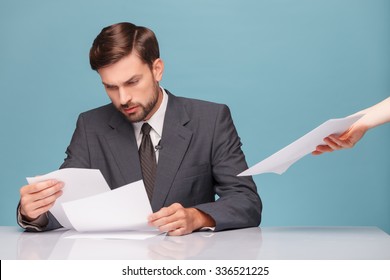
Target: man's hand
346	140
177	220
37	199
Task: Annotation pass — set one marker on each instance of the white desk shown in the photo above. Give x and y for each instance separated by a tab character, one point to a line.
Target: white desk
272	243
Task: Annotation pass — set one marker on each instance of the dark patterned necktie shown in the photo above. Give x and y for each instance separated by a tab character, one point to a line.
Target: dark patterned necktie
147	159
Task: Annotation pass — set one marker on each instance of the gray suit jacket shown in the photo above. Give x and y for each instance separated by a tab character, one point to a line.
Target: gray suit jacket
200	158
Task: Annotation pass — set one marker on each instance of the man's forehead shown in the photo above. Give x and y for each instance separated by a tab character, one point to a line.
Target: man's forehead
125	69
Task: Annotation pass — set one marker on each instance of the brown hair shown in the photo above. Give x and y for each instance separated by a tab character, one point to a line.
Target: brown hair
118	40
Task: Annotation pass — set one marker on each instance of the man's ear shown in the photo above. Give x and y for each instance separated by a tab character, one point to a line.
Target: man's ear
158	69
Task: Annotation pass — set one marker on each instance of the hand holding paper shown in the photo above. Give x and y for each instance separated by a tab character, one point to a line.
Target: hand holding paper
88	203
78	183
280	161
38	198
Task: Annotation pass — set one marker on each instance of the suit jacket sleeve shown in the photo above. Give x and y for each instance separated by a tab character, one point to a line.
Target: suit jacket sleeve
239	204
78	150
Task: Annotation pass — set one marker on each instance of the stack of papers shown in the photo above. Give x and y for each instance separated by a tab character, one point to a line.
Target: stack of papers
88	203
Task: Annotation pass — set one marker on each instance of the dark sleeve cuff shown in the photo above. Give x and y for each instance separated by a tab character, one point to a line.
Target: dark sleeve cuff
36	225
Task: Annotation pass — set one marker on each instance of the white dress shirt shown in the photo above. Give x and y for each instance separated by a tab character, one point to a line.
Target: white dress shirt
156	122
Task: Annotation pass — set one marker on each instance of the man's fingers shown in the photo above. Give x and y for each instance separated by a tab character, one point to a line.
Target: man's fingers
34	188
46	201
38	212
28	209
178	232
165	212
172	218
38	198
179	215
179	223
174	225
51	190
28	198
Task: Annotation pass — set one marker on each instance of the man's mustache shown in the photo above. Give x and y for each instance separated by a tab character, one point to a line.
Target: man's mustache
128	105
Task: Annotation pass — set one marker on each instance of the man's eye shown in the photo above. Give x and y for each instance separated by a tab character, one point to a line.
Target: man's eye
133	82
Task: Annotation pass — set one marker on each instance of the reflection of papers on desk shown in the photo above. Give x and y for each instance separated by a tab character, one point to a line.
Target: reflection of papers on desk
280	161
132	235
88	204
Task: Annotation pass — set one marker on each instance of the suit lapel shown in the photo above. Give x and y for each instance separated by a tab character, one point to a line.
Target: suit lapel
174	142
123	146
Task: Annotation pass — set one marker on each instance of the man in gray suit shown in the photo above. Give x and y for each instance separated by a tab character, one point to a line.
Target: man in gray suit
194	150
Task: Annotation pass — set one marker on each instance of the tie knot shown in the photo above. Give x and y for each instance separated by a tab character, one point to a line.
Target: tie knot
146	129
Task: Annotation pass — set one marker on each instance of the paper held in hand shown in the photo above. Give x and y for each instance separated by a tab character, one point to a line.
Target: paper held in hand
88	203
280	161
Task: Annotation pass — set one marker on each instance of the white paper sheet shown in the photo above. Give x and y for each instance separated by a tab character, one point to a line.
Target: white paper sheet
79	183
280	161
124	208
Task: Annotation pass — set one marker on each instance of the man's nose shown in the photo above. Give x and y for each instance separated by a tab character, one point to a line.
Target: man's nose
124	96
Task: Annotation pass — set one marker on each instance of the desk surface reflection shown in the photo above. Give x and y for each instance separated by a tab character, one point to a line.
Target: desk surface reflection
252	243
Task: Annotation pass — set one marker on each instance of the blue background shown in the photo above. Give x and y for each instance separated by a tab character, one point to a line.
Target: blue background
283	67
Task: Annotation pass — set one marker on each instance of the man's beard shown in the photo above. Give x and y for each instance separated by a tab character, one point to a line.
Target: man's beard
144	110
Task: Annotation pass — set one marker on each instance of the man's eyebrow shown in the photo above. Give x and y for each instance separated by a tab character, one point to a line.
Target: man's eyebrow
135	77
108	85
131	79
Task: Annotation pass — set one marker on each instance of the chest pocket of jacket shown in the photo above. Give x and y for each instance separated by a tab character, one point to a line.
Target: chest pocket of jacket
192	186
193	171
